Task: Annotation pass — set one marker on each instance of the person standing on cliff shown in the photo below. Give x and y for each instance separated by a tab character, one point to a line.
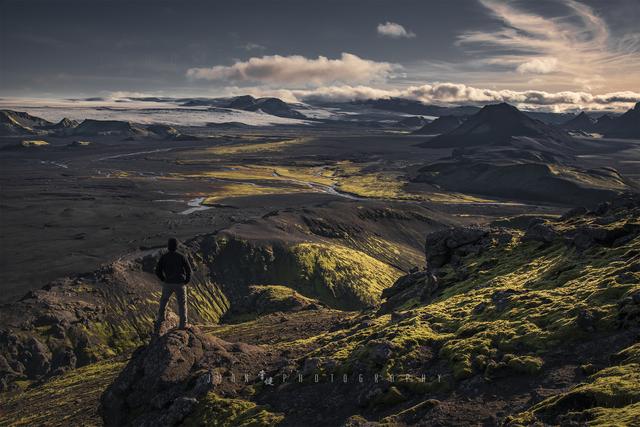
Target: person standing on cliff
175	273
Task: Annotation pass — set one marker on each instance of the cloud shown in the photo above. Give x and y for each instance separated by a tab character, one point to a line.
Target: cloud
461	94
572	49
252	46
538	66
296	69
394	30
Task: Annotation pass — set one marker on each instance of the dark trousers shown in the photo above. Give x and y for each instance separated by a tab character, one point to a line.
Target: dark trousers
181	295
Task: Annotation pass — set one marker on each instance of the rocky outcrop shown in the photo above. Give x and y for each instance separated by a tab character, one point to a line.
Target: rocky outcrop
629	310
441	246
610	224
163	382
419	284
540	231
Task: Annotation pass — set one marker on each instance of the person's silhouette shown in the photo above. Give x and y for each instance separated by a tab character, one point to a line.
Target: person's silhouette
174	271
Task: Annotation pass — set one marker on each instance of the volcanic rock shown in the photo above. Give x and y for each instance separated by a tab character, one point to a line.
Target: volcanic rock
163	381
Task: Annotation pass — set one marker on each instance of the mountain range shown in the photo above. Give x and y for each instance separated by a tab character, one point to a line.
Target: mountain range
626	125
494	124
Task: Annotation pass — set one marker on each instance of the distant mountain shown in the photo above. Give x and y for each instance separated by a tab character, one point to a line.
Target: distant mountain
497	124
20	123
581	122
412	122
603	123
242	102
91	127
440	125
229	125
273	106
624	126
62	126
549	118
202	102
410	106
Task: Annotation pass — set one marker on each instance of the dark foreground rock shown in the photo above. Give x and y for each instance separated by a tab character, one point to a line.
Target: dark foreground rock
441	246
163	382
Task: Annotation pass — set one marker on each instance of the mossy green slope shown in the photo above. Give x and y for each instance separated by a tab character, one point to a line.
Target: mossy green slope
336	275
215	411
514	309
609	397
527	303
70	399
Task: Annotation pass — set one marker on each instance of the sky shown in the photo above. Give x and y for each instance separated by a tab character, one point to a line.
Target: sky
547	54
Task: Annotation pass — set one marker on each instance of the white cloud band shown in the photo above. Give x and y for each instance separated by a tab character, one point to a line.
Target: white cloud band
297	69
459	94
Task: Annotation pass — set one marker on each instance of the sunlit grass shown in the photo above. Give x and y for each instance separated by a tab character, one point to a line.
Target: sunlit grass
256	147
233	190
34	143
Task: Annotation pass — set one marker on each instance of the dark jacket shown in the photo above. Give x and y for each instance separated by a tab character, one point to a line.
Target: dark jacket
173	268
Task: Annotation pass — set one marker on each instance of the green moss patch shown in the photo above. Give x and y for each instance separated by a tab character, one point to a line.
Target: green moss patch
606	398
216	411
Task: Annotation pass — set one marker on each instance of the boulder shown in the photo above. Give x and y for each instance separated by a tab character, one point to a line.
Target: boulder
163	381
63	359
380	351
441	245
573	213
36	358
585	237
540	232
